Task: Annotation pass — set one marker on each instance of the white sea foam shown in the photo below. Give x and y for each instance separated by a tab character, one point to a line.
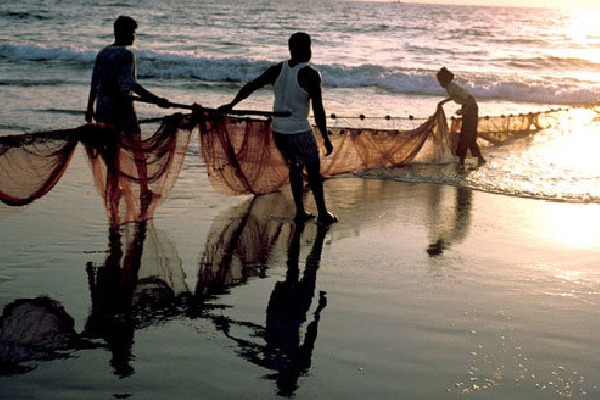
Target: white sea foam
484	85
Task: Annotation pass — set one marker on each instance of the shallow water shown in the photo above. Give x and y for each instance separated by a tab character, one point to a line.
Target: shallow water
427	291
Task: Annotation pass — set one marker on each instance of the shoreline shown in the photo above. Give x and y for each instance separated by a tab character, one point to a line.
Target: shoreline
423	283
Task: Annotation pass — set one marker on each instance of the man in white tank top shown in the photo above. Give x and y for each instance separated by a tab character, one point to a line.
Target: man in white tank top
296	85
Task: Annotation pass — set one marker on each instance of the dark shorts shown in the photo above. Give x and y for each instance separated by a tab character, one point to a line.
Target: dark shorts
297	148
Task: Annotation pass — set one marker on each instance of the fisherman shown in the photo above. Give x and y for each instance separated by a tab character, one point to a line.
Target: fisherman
113	84
296	85
469	111
114	81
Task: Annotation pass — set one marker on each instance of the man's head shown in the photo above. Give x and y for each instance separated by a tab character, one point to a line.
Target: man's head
125	30
444	77
299	45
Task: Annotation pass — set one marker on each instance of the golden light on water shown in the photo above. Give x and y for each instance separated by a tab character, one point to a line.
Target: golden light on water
584	26
559	164
574	152
574	145
582	32
572	225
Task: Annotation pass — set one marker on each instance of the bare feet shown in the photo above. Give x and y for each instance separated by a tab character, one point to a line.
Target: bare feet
327	219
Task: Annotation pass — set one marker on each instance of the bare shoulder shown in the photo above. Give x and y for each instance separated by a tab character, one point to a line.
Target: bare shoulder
270	75
309	78
310	72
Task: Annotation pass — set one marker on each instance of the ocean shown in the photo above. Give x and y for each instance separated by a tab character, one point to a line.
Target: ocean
415	298
376	59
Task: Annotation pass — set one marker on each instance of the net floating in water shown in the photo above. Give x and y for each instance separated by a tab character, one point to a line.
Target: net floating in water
134	175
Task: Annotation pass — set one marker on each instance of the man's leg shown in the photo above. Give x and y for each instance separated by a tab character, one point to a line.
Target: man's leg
316	185
469	131
461	149
297	184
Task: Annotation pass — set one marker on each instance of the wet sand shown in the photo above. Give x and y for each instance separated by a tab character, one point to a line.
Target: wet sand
421	291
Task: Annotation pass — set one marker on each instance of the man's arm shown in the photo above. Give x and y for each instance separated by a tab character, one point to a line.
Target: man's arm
441	103
147	96
266	78
310	80
89	113
128	83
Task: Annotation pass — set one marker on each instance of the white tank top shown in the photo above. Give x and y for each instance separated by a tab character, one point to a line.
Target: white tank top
290	96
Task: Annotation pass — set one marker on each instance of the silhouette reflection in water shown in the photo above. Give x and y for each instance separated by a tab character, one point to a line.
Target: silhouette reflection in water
112	288
283	350
448	227
239	244
141	282
286	313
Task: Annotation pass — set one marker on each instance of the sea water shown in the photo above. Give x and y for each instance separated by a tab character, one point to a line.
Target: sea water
376	59
432	290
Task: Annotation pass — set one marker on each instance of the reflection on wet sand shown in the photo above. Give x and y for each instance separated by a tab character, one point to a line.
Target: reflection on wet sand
141	282
448	223
138	284
240	242
281	345
129	291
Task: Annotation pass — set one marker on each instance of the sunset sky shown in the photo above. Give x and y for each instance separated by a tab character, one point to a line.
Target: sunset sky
526	3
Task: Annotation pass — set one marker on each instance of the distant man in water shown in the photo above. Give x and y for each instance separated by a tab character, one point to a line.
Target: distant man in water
114	81
296	85
469	111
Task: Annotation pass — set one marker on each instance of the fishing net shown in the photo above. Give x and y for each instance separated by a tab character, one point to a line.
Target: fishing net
503	128
241	156
31	164
34	330
240	242
134	174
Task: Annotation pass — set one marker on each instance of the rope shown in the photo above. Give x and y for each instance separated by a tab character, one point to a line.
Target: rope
230	112
362	117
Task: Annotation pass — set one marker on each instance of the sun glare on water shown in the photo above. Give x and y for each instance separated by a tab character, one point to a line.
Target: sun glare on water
573	156
583	26
577	37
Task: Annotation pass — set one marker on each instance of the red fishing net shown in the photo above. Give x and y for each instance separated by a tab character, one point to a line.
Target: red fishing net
135	174
241	156
31	164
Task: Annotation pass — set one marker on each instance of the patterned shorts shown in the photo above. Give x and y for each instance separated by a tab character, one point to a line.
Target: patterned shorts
297	148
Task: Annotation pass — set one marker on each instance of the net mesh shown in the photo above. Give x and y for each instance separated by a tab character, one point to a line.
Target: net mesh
241	156
31	164
503	128
240	242
135	174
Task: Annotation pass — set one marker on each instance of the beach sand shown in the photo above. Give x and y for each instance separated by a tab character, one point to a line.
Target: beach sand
421	291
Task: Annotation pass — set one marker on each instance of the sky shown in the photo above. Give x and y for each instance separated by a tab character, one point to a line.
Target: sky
524	3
